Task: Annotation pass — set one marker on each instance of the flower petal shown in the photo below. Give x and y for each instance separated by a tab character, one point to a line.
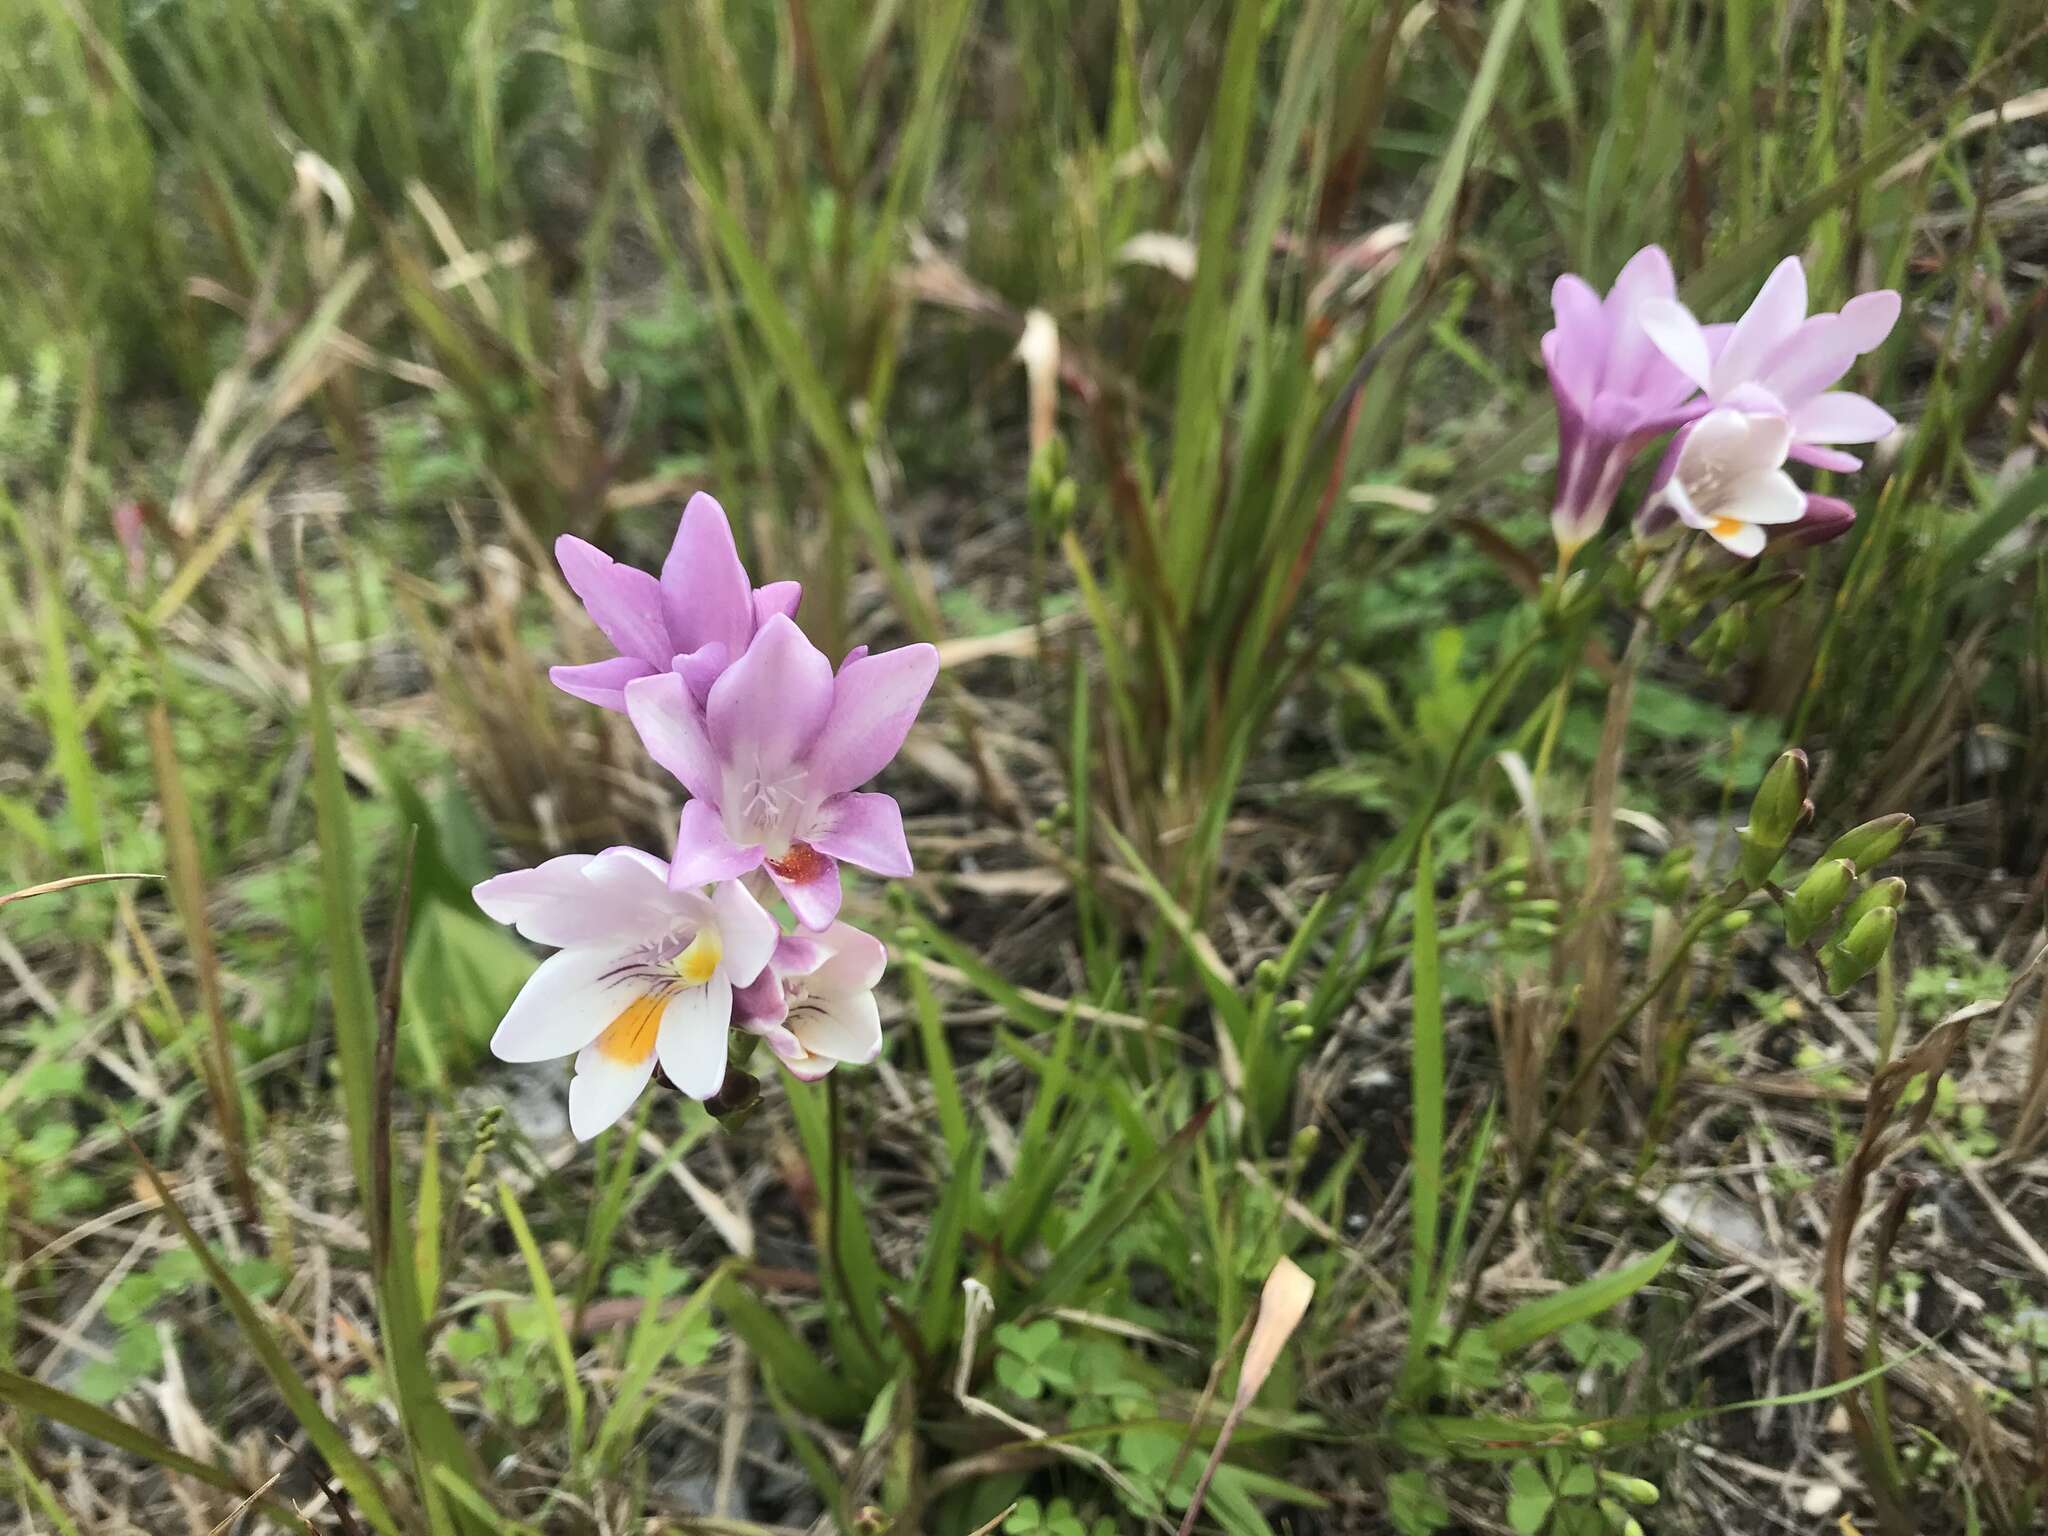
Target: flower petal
704	853
863	829
565	1004
760	1006
1577	349
777	597
1808	361
769	704
874	701
1772	316
856	962
809	882
1826	458
603	1089
705	593
673	730
602	899
745	930
623	602
693	1037
602	683
1769	498
1675	333
701	668
844	1026
1870	318
1744	539
1842	417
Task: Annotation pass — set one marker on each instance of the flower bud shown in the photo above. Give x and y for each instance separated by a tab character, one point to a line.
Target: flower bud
1592	1440
1636	1490
1304	1144
1774	817
1267	975
1827	517
738	1092
1291	1012
1301	1034
1820	893
1856	955
1619	1520
1674	875
1879	893
1872	843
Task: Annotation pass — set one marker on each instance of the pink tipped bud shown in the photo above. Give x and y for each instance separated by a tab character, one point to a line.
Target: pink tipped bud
1827	517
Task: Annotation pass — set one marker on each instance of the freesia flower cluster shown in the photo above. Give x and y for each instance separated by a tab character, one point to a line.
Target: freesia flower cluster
1740	401
657	962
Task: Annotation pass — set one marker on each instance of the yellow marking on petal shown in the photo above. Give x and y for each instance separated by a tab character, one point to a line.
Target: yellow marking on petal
1726	527
629	1038
696	964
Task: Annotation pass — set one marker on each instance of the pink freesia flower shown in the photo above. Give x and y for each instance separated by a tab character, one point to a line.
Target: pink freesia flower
1778	358
815	1002
1727	478
643	972
696	619
772	756
1615	390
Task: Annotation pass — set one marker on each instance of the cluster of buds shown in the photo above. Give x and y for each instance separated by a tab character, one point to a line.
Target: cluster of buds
1835	898
1737	401
660	961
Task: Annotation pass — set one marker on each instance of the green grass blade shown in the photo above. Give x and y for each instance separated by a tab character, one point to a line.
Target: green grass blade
551	1314
1536	1320
1426	1092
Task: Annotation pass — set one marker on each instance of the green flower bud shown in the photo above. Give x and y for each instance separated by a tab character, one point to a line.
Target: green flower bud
1808	909
1872	843
1879	893
1592	1440
1674	875
1855	956
1619	1520
1636	1490
1266	975
1291	1012
1304	1144
1774	817
1301	1034
1733	923
1065	497
1514	890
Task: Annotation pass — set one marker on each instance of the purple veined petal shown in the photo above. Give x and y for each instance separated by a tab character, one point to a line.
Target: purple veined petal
623	602
777	597
672	728
768	705
604	1088
704	854
1842	417
857	959
701	668
693	1037
1677	335
745	931
565	1004
839	1025
809	882
1869	318
1772	316
1825	458
862	829
1578	352
875	699
602	683
705	594
1809	360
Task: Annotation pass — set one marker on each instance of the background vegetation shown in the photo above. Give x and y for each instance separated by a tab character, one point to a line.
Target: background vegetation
1292	851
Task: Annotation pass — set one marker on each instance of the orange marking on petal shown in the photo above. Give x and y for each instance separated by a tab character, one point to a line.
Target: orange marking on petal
1726	527
801	865
629	1038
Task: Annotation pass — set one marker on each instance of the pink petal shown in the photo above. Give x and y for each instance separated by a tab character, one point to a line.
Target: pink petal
1579	350
809	882
856	962
1772	316
704	854
745	930
875	699
1809	360
623	602
1673	331
672	728
1825	458
866	830
704	588
769	704
760	1006
777	597
602	683
1842	417
702	667
1870	318
577	899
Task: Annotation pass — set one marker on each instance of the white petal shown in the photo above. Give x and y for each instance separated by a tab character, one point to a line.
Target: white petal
1744	539
845	1026
1769	498
693	1037
745	931
564	1005
1671	327
604	1089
